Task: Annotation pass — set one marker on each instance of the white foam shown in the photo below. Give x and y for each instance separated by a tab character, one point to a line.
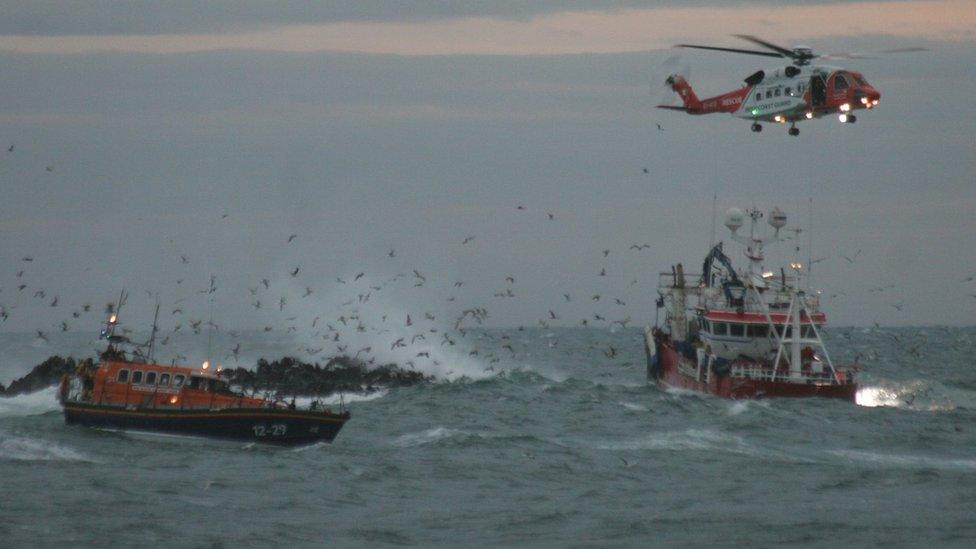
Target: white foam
30	404
906	461
689	439
28	449
635	407
428	436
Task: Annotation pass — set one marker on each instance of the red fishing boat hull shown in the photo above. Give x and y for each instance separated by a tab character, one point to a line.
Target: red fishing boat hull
663	368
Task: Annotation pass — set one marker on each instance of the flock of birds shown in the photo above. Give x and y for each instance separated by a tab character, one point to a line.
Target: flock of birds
411	334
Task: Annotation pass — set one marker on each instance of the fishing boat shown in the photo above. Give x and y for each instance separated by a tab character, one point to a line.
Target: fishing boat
136	394
746	334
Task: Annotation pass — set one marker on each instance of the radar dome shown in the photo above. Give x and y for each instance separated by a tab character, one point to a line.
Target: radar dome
733	219
777	219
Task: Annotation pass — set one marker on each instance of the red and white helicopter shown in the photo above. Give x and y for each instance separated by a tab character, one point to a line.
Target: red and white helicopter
799	91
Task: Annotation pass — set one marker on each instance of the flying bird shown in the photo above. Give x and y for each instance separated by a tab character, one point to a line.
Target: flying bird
295	272
292	237
466	240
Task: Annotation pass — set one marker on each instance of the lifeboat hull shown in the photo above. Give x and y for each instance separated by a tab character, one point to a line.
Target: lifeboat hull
262	425
663	367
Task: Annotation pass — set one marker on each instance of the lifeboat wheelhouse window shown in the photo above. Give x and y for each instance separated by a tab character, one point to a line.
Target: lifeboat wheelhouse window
123	376
150	378
178	380
737	330
758	330
137	377
720	328
164	380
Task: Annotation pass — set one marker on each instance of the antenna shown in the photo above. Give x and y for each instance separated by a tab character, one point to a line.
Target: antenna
711	243
152	336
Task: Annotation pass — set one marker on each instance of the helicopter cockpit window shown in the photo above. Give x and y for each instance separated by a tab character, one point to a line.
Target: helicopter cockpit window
840	83
769	93
789	91
759	96
777	92
860	80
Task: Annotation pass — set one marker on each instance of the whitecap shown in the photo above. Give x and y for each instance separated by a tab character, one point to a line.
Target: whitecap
906	461
30	449
634	407
427	437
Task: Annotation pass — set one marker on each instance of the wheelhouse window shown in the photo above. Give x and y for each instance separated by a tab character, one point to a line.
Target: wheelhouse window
720	328
758	330
164	380
806	331
178	380
137	377
737	330
150	378
123	376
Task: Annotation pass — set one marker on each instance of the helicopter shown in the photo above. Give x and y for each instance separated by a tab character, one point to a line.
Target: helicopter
796	92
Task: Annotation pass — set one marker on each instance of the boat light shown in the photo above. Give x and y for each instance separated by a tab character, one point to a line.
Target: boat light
173	399
111	319
874	102
796	266
768	274
206	364
842	118
845	107
865	100
809	116
778	118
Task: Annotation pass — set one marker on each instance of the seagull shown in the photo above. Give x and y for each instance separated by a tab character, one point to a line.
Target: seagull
308	292
28	258
606	253
552	315
358	276
10	149
466	240
566	297
510	279
392	253
295	272
851	259
292	237
619	302
397	343
603	272
183	259
551	216
55	302
409	322
659	128
520	207
646	170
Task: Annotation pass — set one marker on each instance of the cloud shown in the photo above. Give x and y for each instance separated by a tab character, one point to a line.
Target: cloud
550	33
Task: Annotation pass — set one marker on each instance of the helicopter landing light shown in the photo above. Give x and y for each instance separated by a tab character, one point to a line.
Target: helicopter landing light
845	107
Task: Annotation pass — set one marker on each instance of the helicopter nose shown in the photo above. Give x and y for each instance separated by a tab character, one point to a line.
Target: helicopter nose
869	97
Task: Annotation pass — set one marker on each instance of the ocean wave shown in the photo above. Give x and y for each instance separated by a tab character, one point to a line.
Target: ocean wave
906	461
30	404
430	436
31	449
689	439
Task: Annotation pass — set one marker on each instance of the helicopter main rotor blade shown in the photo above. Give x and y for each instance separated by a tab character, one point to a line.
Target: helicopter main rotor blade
903	50
785	52
733	50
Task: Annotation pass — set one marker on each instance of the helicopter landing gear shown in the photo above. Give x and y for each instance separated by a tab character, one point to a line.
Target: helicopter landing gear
756	127
794	130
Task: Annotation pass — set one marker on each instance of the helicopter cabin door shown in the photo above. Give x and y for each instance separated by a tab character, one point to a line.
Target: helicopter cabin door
818	91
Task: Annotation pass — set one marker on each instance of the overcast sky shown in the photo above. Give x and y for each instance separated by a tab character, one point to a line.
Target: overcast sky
147	131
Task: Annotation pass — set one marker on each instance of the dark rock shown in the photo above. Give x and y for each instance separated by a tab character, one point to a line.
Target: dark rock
288	376
42	376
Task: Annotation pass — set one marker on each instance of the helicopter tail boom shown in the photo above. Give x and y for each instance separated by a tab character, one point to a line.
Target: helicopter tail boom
681	86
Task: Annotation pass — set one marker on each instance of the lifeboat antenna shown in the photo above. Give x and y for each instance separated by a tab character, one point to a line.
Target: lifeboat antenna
152	336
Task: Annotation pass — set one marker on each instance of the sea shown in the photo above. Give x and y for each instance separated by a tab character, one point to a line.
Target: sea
539	437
